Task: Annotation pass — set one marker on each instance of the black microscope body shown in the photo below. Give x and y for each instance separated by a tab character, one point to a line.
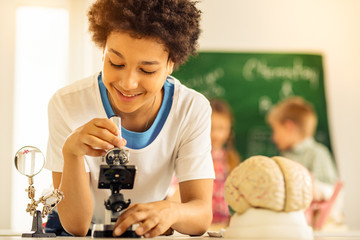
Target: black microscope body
115	175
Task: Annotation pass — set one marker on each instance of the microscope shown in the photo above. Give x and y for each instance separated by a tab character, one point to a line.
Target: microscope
115	175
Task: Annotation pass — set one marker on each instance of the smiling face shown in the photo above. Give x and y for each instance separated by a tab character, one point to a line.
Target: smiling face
134	71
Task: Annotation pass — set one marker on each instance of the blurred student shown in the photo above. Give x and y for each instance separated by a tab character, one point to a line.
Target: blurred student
225	158
293	122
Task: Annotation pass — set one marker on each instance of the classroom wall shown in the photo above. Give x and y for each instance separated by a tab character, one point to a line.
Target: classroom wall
78	67
331	27
6	102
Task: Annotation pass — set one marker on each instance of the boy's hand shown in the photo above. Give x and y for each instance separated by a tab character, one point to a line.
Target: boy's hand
153	218
93	139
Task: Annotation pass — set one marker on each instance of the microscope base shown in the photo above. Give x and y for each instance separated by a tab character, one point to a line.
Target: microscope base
106	231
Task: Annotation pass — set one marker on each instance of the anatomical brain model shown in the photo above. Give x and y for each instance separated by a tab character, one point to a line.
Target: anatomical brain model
269	196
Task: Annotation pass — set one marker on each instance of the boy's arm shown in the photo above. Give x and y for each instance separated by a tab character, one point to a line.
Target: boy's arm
91	139
195	211
193	216
76	209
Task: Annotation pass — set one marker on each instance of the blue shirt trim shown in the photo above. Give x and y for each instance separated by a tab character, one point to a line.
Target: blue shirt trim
138	140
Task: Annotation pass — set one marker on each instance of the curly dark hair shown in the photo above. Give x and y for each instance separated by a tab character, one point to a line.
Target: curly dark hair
174	22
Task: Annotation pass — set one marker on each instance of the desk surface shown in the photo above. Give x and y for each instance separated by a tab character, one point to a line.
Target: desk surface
317	236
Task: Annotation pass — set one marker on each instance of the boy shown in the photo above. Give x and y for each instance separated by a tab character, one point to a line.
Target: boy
165	125
293	122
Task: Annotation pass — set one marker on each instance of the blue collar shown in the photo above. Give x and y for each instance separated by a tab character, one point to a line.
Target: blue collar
138	140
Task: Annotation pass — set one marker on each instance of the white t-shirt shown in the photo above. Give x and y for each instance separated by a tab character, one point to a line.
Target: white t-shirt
183	145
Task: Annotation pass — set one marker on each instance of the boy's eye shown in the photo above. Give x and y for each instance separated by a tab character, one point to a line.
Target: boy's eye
122	65
116	65
147	72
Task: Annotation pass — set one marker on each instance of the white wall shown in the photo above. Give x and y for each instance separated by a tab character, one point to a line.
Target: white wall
7	42
330	27
12	184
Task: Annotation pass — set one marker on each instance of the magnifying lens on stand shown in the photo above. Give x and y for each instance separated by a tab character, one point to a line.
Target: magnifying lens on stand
29	161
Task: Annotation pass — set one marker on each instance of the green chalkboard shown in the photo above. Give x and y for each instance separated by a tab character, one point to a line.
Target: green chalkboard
251	83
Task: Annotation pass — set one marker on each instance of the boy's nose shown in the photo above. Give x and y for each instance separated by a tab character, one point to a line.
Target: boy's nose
129	81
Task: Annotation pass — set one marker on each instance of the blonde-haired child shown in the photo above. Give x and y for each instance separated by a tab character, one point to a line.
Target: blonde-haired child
293	122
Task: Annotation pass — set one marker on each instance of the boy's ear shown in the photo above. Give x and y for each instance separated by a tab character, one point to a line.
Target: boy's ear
289	124
170	67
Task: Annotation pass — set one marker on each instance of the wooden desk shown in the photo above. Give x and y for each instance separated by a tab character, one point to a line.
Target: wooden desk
317	236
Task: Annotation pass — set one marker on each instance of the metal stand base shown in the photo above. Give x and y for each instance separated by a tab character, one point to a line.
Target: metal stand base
38	235
37	230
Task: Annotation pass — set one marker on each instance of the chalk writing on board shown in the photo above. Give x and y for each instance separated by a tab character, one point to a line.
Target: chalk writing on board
286	90
207	83
259	67
259	141
265	104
